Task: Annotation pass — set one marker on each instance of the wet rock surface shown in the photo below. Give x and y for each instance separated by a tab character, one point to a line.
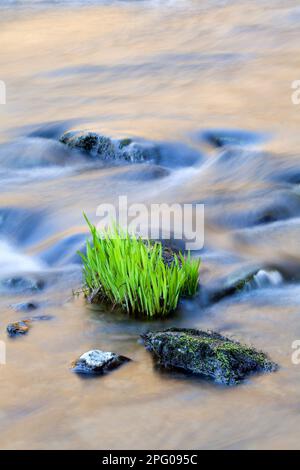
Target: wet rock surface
18	328
22	327
243	280
207	354
104	148
98	362
231	137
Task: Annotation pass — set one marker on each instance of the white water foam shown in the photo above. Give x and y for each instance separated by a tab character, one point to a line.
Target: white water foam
264	279
11	260
268	278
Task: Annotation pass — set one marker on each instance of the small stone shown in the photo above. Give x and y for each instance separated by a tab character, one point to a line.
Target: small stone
207	354
98	362
18	328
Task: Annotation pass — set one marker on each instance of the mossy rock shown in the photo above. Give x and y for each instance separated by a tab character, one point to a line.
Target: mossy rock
124	143
207	354
85	141
107	149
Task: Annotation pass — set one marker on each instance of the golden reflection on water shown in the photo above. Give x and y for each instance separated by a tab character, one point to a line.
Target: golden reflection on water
156	72
160	73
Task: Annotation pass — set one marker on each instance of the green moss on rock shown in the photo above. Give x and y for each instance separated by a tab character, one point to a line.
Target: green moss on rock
206	353
124	143
83	141
104	148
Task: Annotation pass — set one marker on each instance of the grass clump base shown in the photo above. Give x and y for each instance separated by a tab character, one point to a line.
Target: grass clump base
131	273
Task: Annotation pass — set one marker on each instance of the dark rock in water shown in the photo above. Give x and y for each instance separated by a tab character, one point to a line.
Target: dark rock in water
272	215
98	362
24	306
84	141
41	318
22	327
18	328
207	354
104	148
21	284
246	279
124	143
231	137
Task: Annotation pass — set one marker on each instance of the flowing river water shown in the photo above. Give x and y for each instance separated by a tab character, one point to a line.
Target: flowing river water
163	71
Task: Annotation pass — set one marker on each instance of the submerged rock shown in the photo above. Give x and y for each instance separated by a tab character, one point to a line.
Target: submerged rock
231	137
206	353
266	207
246	280
98	362
18	328
41	318
20	284
104	148
24	306
22	327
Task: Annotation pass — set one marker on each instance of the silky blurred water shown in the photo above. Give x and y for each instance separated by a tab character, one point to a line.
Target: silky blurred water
164	71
